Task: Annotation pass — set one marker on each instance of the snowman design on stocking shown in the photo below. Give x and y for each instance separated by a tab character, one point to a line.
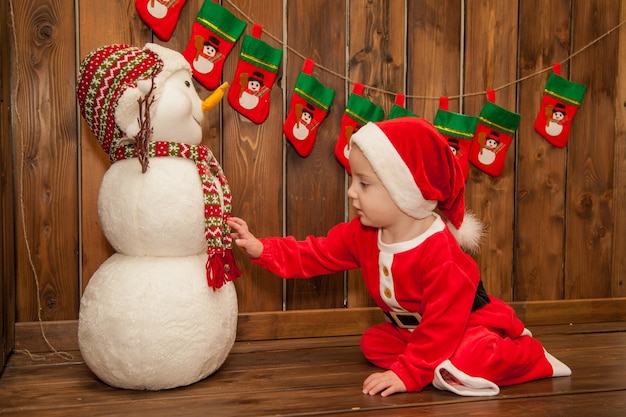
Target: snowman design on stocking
161	312
559	104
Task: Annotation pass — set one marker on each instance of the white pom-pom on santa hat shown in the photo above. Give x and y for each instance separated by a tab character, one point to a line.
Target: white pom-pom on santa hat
420	172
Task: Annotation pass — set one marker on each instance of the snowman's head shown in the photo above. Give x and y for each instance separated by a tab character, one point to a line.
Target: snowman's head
176	113
114	79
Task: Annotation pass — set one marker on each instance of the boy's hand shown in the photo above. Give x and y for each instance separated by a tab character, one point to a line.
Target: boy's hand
244	239
387	382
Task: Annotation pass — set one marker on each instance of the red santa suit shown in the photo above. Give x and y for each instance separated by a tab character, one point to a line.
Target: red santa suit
473	351
461	339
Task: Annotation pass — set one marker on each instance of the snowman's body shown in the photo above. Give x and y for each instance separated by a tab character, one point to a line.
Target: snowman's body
300	131
152	322
203	65
554	128
148	317
157	213
486	156
248	100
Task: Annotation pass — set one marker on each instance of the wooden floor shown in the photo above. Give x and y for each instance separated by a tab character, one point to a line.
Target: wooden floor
323	376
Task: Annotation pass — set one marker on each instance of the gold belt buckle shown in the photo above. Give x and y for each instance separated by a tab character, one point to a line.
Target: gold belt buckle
405	319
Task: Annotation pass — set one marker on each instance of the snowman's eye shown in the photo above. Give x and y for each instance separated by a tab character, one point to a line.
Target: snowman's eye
187	83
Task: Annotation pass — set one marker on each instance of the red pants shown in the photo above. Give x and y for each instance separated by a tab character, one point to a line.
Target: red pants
495	351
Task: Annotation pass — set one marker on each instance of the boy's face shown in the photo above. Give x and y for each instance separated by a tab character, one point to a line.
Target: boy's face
369	197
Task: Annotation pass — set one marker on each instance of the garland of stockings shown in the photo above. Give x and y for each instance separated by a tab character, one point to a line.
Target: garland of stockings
480	140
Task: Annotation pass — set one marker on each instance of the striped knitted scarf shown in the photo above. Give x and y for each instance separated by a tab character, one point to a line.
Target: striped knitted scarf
221	266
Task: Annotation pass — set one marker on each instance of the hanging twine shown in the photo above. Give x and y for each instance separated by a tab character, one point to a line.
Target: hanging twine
383	91
35	357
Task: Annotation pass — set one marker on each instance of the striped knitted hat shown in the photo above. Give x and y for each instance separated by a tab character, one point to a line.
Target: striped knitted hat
107	86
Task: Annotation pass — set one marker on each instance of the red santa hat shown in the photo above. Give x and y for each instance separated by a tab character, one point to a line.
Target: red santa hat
419	170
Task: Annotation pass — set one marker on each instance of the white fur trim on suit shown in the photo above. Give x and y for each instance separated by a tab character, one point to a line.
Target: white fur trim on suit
558	367
392	171
462	383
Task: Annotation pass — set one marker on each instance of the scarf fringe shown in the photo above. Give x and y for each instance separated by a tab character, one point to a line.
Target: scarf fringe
221	268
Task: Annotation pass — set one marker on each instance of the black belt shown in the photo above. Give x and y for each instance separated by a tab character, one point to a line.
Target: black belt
407	320
404	319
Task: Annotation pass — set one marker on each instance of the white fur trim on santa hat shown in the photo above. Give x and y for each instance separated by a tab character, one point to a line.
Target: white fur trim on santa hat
400	183
127	111
450	378
392	171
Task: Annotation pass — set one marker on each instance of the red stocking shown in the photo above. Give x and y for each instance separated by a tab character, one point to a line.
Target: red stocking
494	133
560	103
213	35
160	15
359	111
458	129
249	93
398	109
310	102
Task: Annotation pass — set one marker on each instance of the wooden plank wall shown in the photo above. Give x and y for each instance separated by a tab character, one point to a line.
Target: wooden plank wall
7	219
556	230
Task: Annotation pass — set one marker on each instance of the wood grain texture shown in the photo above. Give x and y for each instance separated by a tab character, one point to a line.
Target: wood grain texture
47	161
540	167
253	161
324	376
490	62
591	150
556	227
619	194
433	55
7	212
315	192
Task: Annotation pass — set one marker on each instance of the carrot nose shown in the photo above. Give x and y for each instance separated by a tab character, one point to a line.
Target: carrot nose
215	97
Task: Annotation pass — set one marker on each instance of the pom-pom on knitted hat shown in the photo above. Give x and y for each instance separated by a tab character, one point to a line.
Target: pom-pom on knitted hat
417	167
107	88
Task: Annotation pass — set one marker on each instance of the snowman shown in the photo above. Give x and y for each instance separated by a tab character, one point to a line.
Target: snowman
304	121
252	88
161	312
555	119
489	147
207	52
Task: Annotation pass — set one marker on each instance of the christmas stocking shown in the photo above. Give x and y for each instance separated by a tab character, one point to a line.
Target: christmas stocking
359	111
160	15
560	102
494	133
256	72
213	35
398	109
458	130
310	102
